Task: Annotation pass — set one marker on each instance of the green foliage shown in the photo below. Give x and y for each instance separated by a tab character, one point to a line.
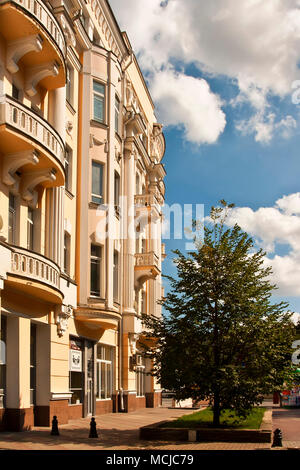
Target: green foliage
228	419
222	339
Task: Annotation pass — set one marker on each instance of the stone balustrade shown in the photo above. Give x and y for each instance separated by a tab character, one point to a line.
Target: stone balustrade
31	124
41	12
34	266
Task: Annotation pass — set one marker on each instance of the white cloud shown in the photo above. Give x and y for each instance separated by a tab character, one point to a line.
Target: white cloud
188	102
263	126
254	42
271	226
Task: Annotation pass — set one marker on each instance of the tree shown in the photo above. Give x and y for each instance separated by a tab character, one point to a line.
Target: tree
221	339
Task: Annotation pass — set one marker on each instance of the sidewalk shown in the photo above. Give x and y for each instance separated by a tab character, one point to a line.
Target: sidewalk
288	420
121	432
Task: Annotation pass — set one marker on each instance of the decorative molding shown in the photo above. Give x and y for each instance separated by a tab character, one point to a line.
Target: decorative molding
96	142
12	162
67	30
62	316
133	338
36	74
69	127
18	48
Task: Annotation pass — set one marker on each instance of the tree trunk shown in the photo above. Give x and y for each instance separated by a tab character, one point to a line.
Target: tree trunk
216	408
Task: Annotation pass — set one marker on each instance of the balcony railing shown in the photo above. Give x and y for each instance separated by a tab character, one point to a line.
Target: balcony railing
146	200
30	123
34	266
146	259
39	10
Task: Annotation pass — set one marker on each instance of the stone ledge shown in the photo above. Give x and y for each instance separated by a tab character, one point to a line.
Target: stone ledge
262	435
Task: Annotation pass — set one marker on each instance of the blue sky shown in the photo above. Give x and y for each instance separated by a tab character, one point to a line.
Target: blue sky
222	75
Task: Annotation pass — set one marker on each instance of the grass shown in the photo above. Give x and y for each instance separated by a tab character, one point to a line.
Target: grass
228	419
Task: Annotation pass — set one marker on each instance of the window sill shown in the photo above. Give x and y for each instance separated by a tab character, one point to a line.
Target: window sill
95	123
103	399
95	205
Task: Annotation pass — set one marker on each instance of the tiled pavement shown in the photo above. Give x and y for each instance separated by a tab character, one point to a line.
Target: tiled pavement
121	432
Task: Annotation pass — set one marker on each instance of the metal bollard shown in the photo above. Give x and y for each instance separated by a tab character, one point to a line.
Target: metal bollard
277	439
93	428
54	430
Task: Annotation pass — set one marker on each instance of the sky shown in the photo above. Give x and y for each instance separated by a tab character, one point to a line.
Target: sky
225	79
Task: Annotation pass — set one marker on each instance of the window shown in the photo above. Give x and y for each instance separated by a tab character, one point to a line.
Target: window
137	184
32	364
97	182
15	92
69	84
30	229
140	376
3	362
76	376
116	276
67	252
12	219
98	101
95	270
68	169
144	302
117	193
104	372
117	113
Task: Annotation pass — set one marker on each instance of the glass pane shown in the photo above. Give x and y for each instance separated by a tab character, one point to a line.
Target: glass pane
97	175
95	277
102	381
98	108
109	381
99	88
76	380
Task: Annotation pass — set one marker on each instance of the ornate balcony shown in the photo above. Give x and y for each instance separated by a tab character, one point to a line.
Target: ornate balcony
30	145
147	205
93	318
34	274
34	38
146	267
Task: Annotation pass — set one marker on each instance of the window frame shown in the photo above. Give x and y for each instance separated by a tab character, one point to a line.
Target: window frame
12	216
102	97
98	198
108	392
98	259
68	168
117	107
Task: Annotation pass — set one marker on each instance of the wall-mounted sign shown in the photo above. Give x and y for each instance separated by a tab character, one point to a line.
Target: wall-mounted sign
75	360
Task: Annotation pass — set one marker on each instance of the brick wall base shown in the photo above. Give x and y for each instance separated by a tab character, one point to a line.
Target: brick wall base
104	407
16	420
153	399
59	408
75	411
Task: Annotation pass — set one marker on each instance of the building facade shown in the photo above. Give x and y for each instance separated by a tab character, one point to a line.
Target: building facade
81	192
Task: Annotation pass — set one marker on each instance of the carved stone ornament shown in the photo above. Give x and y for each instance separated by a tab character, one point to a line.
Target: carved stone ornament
133	338
67	30
62	318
